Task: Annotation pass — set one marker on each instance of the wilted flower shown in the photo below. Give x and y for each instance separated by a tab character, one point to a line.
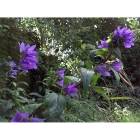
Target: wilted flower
70	89
61	83
28	59
102	70
14	72
124	37
104	44
117	65
20	117
61	73
12	64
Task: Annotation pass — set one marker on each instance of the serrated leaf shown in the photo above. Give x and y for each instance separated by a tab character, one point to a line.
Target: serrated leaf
56	104
86	78
35	94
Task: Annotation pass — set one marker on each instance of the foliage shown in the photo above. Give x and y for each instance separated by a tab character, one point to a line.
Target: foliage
71	45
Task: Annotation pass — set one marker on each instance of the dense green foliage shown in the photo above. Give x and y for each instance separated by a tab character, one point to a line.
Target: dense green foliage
68	44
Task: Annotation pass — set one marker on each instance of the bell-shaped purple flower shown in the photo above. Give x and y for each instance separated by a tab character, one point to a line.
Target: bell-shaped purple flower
117	65
104	44
102	70
20	117
61	83
37	120
61	73
28	60
70	89
12	64
14	72
124	37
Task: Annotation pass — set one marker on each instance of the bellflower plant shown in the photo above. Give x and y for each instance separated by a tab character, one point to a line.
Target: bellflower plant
28	59
70	88
104	44
124	37
102	70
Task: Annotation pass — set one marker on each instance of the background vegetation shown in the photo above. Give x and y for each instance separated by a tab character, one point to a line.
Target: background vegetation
65	43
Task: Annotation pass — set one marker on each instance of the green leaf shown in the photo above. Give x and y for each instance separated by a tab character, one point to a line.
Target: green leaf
74	79
83	46
35	94
116	75
86	78
23	83
117	52
100	91
8	105
95	78
67	80
89	64
56	104
3	119
102	53
120	98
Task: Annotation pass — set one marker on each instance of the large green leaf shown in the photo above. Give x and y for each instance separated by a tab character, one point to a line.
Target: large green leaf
95	78
116	75
86	78
56	105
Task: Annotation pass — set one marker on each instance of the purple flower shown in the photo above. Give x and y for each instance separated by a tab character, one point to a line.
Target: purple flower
104	44
102	70
37	120
117	65
124	37
14	72
70	89
20	117
61	73
28	59
12	64
61	83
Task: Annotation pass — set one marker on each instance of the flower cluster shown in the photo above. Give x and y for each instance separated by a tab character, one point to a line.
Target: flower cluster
28	59
123	37
103	70
70	88
12	64
24	117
